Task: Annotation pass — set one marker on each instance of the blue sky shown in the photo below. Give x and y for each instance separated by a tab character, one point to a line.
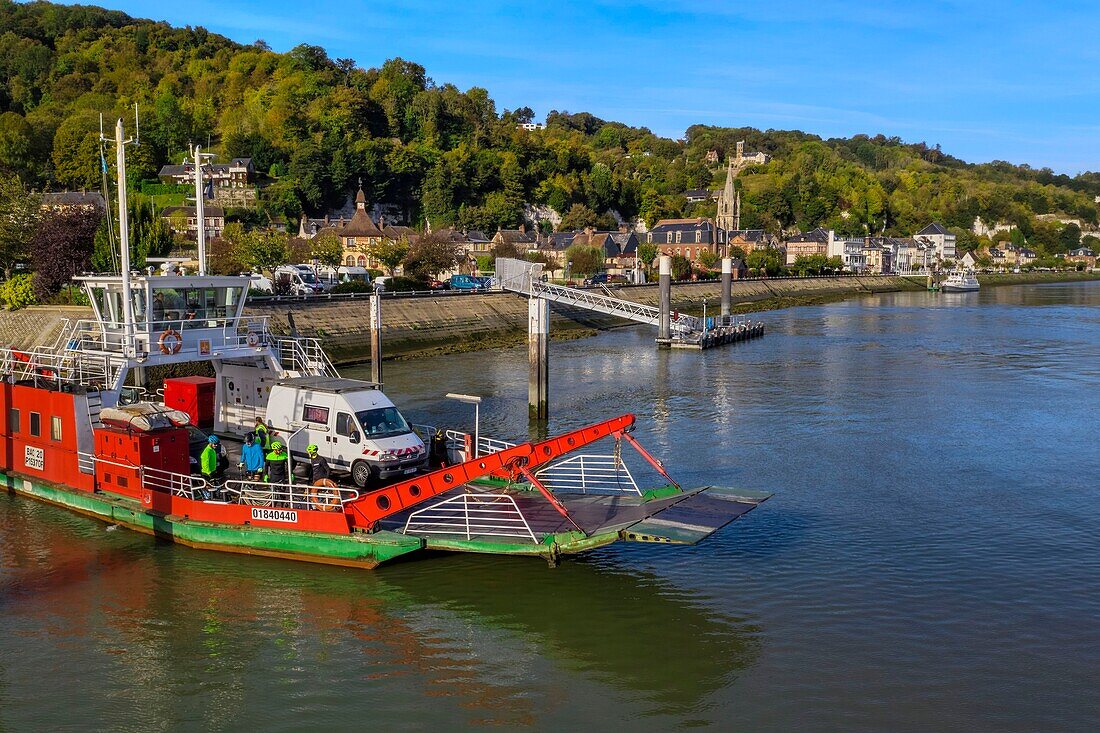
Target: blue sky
1005	80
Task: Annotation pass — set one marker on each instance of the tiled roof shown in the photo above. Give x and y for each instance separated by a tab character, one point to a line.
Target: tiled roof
560	240
814	235
515	236
747	235
214	211
361	225
671	225
74	198
934	228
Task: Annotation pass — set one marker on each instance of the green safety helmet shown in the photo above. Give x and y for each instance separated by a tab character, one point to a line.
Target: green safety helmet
276	446
311	448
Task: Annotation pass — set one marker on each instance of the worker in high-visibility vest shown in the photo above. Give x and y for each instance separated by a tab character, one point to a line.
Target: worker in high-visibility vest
208	461
262	436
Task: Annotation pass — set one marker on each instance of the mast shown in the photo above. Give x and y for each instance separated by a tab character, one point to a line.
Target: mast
200	215
124	234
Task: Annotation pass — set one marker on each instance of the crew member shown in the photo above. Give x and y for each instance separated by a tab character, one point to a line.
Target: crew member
252	456
318	466
208	461
276	469
262	436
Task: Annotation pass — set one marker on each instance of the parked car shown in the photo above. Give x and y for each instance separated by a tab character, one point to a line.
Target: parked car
603	278
439	284
468	282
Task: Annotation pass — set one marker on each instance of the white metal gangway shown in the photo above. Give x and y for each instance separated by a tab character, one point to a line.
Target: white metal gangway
526	278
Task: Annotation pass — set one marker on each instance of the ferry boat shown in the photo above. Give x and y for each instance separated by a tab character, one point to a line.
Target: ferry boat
960	282
80	433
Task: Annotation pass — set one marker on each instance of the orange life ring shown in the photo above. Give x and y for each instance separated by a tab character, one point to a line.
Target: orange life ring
170	341
322	497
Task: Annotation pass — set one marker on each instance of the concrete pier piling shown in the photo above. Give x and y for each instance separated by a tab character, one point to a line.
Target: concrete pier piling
664	325
727	279
376	338
538	354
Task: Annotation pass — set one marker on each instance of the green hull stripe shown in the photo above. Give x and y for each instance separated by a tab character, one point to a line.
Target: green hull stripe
359	549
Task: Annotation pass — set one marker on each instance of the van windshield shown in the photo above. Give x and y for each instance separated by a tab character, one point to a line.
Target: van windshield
382	422
307	276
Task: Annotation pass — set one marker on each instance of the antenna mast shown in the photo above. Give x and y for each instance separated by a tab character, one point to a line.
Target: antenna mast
200	214
124	235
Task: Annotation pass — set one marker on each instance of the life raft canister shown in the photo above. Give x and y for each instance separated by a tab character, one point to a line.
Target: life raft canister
324	495
170	341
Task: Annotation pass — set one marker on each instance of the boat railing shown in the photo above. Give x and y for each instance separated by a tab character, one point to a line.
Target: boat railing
156	479
462	442
217	333
472	515
589	474
303	355
45	367
177	484
288	496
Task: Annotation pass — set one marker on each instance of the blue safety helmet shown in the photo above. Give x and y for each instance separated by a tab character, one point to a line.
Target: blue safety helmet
213	440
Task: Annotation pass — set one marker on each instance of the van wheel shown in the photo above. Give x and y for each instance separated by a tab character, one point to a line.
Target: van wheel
361	474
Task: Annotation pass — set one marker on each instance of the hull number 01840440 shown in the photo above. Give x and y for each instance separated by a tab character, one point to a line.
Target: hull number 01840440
274	515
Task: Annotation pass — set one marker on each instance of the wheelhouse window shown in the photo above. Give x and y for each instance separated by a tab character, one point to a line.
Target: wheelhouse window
382	422
13	420
36	424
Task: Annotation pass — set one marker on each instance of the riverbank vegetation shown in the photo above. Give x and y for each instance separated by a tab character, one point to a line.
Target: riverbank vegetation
313	125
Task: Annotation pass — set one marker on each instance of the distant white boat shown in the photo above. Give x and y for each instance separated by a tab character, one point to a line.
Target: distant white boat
960	282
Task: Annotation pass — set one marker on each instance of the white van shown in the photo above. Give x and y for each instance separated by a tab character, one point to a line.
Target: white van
348	273
296	280
353	424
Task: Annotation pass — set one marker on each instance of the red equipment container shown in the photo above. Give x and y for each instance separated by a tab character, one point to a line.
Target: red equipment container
121	451
193	395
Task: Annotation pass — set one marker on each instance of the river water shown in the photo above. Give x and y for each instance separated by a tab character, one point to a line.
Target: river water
930	559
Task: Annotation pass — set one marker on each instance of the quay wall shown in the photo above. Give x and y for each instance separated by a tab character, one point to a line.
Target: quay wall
470	322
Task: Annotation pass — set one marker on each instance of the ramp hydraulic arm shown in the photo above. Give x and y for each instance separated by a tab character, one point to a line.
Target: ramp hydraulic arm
366	511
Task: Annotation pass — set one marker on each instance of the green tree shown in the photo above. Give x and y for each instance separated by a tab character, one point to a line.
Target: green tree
584	260
263	250
681	267
431	255
223	257
763	261
647	253
327	249
76	151
390	253
20	212
708	259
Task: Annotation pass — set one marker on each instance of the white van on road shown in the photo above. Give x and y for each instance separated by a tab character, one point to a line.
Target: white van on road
352	423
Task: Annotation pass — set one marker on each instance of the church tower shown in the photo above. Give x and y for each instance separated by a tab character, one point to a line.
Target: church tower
729	200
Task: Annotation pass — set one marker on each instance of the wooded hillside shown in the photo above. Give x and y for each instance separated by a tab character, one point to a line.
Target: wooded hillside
314	125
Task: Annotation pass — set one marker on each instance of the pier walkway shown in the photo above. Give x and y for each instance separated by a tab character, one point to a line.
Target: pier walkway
526	278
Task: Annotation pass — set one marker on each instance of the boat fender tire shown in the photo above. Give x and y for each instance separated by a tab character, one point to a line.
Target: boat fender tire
322	496
170	342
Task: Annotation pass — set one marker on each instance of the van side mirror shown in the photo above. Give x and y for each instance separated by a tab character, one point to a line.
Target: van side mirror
354	437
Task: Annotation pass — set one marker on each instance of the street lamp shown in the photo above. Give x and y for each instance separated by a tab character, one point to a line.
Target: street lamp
476	402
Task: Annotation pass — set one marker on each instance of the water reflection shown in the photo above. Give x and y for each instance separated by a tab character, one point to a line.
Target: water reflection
185	635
